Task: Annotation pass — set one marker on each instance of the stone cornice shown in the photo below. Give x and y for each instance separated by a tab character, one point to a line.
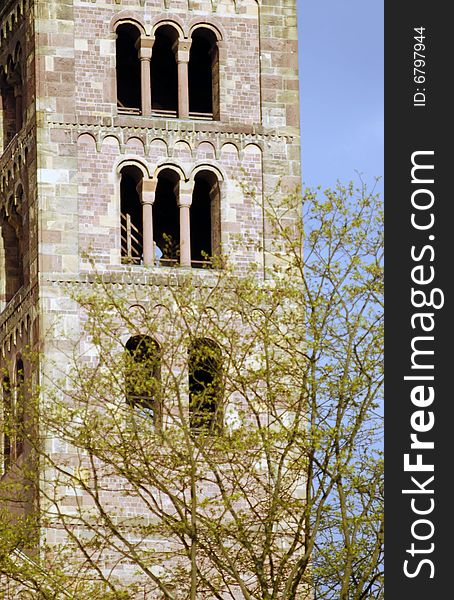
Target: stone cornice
14	158
10	10
173	131
176	125
132	276
14	317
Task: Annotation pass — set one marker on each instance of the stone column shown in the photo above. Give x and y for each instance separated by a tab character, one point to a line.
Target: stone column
184	200
145	48
147	189
182	50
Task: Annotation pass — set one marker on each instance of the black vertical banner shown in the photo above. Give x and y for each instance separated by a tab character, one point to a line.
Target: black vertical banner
419	236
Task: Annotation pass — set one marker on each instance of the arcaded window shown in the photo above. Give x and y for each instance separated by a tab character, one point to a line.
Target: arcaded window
11	98
203	76
143	376
6	423
205	411
166	222
131	215
11	260
20	407
7	114
164	72
128	69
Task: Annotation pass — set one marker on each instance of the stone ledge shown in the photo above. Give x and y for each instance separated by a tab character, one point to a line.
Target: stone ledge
177	126
142	276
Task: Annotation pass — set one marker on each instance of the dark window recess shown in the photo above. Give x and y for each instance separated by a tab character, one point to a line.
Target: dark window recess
166	222
8	116
11	98
203	75
128	69
143	376
10	247
7	419
205	219
205	385
20	407
201	250
164	72
131	216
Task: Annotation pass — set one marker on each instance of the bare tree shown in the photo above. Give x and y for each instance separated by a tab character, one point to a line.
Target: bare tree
215	434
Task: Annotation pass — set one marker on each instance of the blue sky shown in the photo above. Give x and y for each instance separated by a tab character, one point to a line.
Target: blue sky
341	85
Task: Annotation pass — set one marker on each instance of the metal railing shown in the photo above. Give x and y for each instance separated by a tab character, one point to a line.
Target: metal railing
200	116
164	113
128	110
201	264
131	241
161	112
132	248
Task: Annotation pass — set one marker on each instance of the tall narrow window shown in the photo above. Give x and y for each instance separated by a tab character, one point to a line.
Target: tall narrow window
205	219
20	407
131	216
11	263
7	114
128	69
166	222
204	75
16	78
143	376
205	385
6	423
11	101
164	72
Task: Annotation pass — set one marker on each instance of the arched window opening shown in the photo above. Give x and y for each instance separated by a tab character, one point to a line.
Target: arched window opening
6	423
11	102
143	376
20	407
24	238
16	79
7	114
205	386
164	73
203	76
11	260
205	219
128	70
131	216
166	221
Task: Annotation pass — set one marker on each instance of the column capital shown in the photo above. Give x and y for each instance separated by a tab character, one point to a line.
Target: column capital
144	46
184	193
147	189
184	201
182	50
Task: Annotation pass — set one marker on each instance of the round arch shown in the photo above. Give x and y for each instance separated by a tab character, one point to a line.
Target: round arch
127	18
133	162
205	24
170	167
207	167
165	21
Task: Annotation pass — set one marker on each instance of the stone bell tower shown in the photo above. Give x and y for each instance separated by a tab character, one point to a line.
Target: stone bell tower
128	132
